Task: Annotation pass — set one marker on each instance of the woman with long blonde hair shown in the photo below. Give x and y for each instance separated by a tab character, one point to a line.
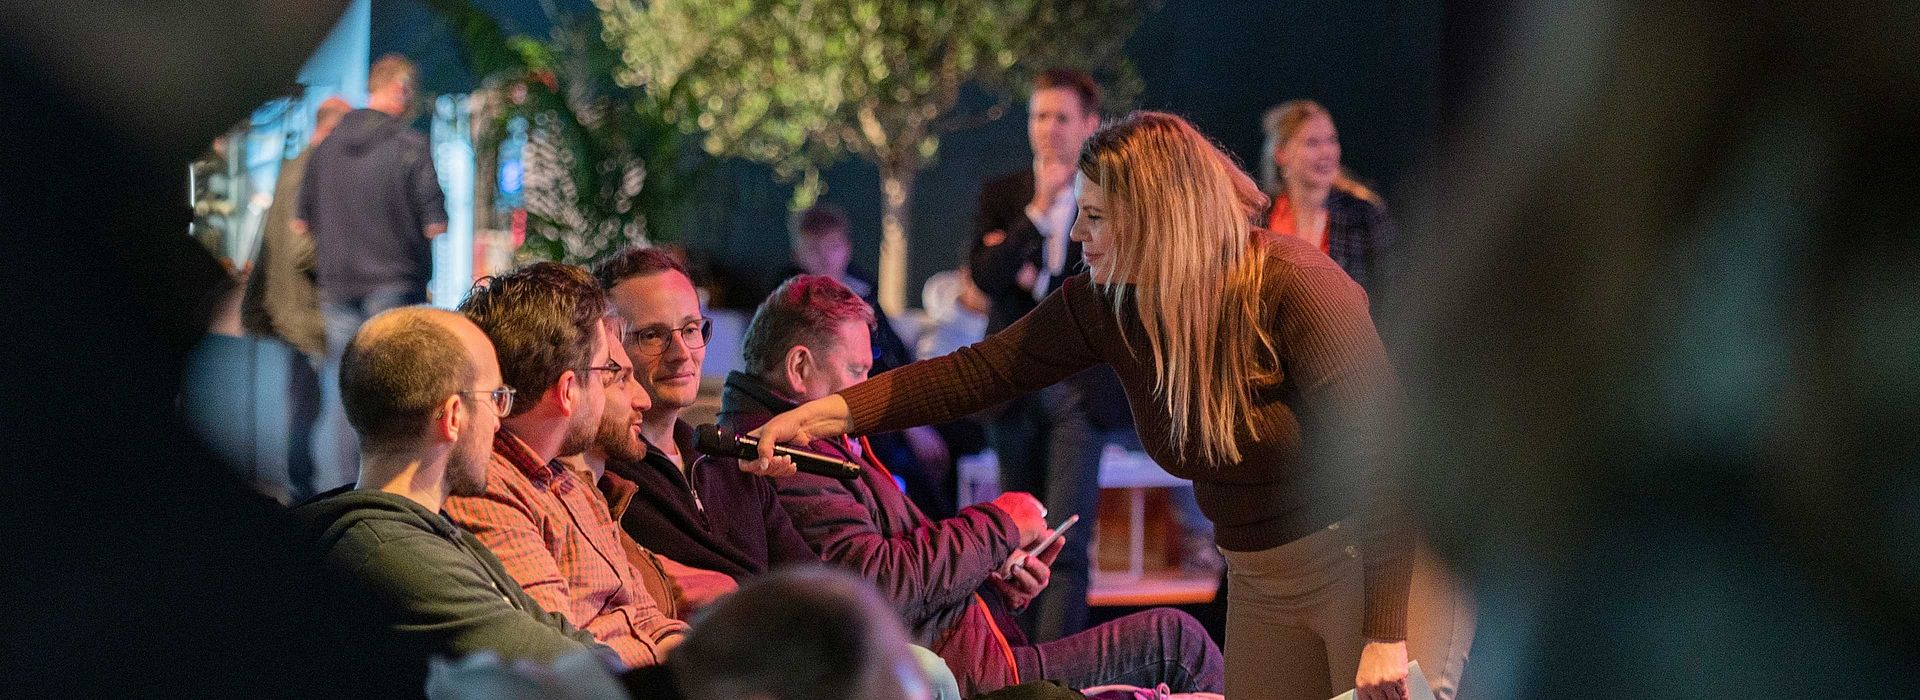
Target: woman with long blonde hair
1246	357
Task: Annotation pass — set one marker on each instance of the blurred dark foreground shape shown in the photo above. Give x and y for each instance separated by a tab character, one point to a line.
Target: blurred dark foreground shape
1665	334
136	565
1664	329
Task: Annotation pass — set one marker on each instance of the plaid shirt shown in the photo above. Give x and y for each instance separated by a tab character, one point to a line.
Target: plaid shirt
553	534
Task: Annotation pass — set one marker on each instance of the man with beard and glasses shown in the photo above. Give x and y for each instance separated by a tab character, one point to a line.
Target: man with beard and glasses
549	528
423	390
701	511
678	588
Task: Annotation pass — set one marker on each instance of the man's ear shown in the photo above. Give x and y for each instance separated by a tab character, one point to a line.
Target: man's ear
447	422
799	365
567	386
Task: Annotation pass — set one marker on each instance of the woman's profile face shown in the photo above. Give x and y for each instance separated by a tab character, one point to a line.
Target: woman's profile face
1090	229
1312	156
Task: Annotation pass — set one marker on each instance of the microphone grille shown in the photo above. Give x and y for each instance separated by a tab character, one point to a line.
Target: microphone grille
713	439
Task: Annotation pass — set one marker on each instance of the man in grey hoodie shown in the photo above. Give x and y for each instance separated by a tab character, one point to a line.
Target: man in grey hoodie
423	389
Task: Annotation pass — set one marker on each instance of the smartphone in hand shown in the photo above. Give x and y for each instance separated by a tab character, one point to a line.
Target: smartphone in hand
1038	547
1058	530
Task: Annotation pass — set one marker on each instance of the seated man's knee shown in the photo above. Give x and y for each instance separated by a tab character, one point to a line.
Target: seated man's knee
1175	624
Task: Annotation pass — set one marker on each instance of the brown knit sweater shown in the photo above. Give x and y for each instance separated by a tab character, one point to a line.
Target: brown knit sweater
1311	464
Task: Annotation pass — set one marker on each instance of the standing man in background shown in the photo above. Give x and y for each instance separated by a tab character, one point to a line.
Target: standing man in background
1047	443
281	302
372	203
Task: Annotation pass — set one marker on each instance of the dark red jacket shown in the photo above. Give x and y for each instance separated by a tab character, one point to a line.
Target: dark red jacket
934	572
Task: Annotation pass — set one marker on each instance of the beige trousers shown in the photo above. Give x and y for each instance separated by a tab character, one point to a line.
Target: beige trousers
1294	619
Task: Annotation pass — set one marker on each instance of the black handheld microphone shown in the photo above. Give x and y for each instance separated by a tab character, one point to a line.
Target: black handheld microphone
717	441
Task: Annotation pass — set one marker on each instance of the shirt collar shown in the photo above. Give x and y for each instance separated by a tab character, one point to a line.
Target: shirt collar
509	447
619	493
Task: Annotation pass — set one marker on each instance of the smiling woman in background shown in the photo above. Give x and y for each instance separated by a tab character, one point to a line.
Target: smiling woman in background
1317	200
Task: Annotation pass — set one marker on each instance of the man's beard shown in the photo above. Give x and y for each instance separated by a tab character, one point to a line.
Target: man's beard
616	438
467	468
579	437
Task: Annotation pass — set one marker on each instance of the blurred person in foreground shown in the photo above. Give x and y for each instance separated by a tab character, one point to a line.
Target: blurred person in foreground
153	570
806	633
1663	338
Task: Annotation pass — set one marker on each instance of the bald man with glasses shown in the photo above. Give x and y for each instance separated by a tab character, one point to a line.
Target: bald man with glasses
422	388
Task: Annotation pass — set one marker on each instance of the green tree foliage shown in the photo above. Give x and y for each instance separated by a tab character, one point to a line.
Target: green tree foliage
799	84
604	166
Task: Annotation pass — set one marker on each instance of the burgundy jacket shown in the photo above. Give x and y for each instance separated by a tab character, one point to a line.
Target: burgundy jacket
934	572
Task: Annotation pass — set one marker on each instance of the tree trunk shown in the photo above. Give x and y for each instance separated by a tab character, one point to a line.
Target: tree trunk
896	193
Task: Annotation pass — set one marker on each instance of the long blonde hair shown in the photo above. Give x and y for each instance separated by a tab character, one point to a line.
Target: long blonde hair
1281	123
1180	213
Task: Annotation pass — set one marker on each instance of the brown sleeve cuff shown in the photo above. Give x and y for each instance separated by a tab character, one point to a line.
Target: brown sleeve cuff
865	402
1389	576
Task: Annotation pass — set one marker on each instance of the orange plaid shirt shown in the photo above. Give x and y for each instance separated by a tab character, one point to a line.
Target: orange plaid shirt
553	534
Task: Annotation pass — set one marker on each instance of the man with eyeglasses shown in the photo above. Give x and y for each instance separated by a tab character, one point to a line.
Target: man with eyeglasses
549	528
698	511
423	390
678	588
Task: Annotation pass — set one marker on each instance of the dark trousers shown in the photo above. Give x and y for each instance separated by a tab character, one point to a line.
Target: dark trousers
1048	446
1144	649
303	413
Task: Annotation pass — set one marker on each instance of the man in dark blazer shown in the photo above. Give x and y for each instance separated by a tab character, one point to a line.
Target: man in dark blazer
1048	443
